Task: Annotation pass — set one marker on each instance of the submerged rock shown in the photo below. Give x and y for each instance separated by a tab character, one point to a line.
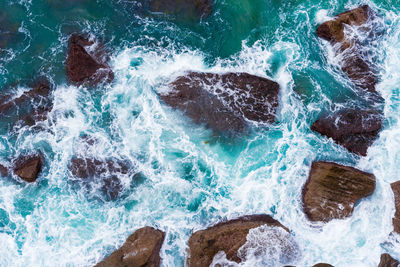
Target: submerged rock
230	237
84	66
224	102
354	129
354	58
388	261
396	219
3	170
28	167
332	190
187	8
30	107
100	172
142	248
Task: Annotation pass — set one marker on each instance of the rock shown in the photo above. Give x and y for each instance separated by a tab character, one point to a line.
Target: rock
32	106
28	167
82	66
103	172
3	170
229	237
354	129
141	249
354	57
186	8
323	265
332	190
224	102
396	219
388	261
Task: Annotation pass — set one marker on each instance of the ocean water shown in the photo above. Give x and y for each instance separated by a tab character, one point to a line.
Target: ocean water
188	177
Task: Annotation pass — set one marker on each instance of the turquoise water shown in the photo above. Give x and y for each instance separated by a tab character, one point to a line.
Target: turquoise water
189	178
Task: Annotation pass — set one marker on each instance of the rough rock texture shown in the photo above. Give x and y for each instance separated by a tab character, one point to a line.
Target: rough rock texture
30	107
388	261
82	66
224	102
354	62
187	8
396	192
226	236
141	249
332	190
28	167
354	129
103	172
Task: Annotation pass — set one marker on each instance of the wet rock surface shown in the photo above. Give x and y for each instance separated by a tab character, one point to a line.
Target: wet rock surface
228	237
388	261
141	249
224	102
82	66
194	9
356	130
3	170
332	190
28	167
396	219
103	173
30	107
351	47
323	265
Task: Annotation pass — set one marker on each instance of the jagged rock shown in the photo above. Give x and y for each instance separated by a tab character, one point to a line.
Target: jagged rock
355	61
332	190
354	129
28	167
229	237
224	102
104	172
141	249
187	8
388	261
82	66
396	219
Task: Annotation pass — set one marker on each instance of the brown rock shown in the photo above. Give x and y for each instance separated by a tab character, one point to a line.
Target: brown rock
224	102
332	190
105	172
187	8
396	192
84	67
141	249
28	167
388	261
323	265
354	129
226	236
354	64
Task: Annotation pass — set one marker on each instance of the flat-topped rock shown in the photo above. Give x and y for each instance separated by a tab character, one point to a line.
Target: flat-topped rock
332	190
354	129
396	219
82	66
232	238
388	261
224	102
28	167
353	52
141	249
